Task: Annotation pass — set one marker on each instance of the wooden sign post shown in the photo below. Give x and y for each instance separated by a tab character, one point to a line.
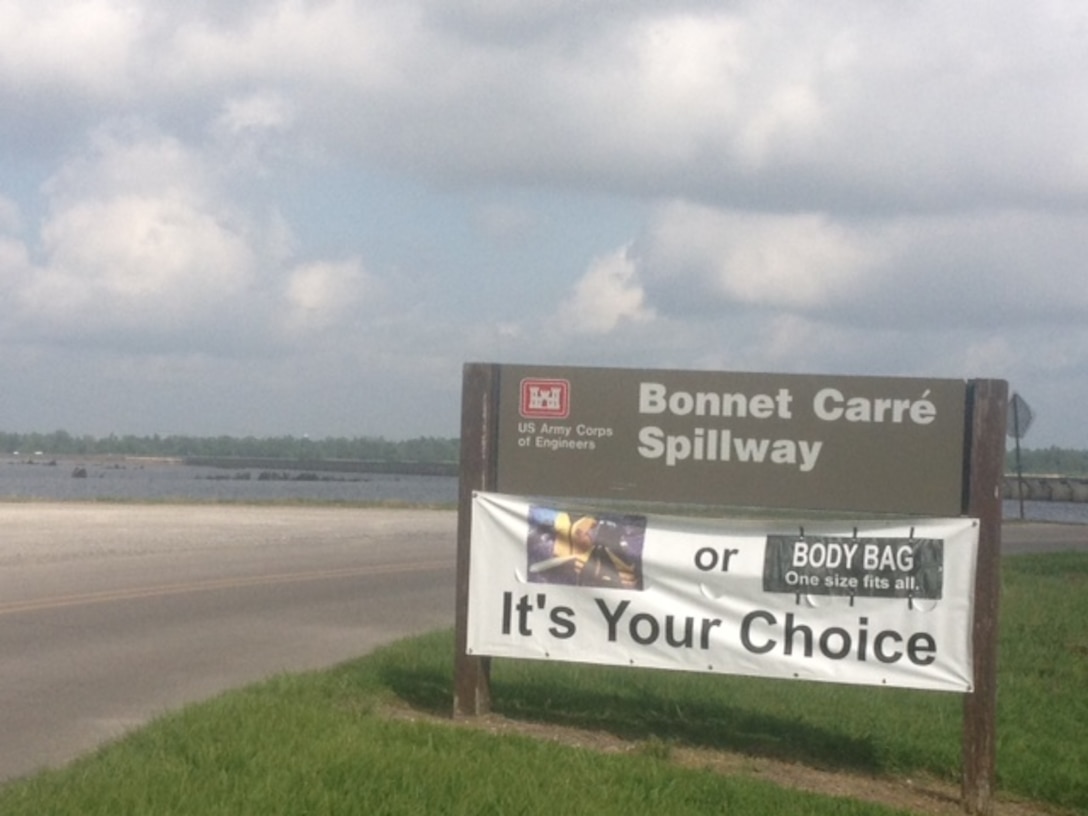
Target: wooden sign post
985	470
479	438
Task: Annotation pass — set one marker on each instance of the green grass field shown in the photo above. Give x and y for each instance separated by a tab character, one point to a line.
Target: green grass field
323	743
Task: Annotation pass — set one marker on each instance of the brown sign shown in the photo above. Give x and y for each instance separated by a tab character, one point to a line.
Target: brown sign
865	444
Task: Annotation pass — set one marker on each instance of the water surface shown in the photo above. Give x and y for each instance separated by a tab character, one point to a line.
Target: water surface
154	480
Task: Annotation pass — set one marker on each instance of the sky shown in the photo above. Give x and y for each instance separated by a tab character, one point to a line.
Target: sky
231	217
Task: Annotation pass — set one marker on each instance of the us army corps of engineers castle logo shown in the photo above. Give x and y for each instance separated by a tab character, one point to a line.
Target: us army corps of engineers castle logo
545	399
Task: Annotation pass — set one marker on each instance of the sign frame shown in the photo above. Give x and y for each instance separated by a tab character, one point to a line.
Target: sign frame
979	496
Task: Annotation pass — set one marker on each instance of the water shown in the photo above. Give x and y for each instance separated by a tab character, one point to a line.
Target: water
1069	512
156	481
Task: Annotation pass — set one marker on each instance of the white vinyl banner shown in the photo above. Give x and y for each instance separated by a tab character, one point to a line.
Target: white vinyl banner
873	603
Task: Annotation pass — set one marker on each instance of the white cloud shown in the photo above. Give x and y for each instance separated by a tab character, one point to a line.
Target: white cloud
142	244
130	157
606	296
331	43
780	106
975	269
724	259
321	294
137	261
256	112
134	241
86	45
251	132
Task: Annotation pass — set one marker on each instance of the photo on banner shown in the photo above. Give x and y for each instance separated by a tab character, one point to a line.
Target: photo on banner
585	549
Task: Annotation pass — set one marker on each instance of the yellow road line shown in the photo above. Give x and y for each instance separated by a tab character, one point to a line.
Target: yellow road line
164	590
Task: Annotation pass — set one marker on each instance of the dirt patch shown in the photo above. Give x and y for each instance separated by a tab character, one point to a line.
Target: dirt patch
917	794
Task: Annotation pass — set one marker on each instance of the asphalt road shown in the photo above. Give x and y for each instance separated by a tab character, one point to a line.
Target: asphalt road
112	614
1023	537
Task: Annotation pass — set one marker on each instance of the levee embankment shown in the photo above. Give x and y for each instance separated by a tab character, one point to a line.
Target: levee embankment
1047	488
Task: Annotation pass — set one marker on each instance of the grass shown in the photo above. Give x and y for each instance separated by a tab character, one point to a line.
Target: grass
315	745
321	744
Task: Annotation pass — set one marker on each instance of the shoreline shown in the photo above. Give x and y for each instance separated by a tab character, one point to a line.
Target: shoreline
41	459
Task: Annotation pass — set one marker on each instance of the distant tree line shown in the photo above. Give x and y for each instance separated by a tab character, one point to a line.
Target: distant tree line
1057	461
376	449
